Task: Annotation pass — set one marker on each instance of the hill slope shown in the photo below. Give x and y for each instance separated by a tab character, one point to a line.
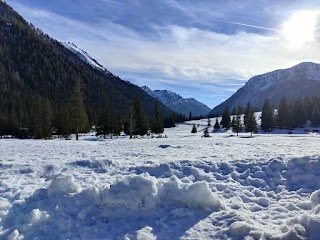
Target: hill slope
32	64
178	103
302	80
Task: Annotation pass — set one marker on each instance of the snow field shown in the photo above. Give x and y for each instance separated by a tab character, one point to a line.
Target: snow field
183	186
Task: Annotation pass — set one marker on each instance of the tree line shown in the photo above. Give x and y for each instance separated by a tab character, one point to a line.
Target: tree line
248	123
288	115
72	118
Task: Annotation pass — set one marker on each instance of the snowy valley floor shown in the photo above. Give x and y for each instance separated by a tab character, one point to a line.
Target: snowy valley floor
180	187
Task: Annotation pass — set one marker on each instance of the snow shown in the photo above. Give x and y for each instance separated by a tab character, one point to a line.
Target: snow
180	187
83	55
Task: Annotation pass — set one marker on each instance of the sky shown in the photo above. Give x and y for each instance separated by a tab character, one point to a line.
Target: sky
206	49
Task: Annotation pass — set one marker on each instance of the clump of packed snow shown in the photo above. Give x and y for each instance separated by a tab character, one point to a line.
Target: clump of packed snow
180	187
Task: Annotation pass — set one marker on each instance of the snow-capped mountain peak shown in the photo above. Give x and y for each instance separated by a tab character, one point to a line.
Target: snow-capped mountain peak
83	55
177	103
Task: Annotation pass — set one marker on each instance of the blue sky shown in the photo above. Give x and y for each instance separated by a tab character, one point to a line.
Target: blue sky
204	49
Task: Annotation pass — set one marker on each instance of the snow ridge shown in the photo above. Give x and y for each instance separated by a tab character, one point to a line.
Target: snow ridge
84	56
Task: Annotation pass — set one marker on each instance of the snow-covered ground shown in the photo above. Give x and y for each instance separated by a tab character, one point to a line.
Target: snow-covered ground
183	186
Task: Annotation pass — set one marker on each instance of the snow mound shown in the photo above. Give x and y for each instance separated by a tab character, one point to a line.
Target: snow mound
91	213
64	185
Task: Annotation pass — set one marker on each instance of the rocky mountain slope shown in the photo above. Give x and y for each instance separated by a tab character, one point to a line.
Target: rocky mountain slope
302	80
178	103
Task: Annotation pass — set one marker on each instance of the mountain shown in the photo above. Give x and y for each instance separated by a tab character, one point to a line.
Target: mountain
302	80
178	104
84	56
34	65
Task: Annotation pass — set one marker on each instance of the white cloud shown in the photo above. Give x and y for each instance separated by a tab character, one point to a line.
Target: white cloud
175	54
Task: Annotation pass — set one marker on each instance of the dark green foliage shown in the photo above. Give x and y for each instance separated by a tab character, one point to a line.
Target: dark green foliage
237	122
62	122
190	116
42	118
206	133
283	113
296	113
315	118
157	121
136	123
225	121
117	127
267	116
217	125
105	122
78	117
8	125
141	124
251	122
246	113
194	128
233	122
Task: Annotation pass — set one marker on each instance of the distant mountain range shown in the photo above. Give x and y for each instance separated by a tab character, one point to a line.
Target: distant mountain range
179	104
302	80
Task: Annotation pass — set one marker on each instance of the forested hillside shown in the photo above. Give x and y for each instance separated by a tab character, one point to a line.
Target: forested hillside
33	65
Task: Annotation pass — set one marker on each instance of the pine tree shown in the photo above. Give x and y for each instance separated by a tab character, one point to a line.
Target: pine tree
190	116
130	127
217	125
237	125
117	126
233	122
194	128
251	121
142	124
42	118
206	133
62	122
78	117
267	116
283	113
315	119
46	115
104	124
157	122
37	120
246	113
225	121
209	122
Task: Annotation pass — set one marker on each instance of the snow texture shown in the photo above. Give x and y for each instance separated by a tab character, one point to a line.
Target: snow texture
223	187
83	55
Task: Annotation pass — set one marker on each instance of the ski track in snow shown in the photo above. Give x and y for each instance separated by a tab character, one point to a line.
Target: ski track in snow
180	187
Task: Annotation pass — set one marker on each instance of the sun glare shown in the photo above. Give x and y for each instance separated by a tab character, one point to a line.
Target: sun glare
300	29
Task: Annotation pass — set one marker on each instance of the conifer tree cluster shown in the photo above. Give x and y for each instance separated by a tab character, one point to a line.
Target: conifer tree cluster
249	123
267	116
293	114
157	121
226	121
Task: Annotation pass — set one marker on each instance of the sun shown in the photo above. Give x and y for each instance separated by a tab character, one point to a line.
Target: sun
300	29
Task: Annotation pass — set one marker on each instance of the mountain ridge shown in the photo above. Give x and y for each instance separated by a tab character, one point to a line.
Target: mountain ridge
179	104
301	80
